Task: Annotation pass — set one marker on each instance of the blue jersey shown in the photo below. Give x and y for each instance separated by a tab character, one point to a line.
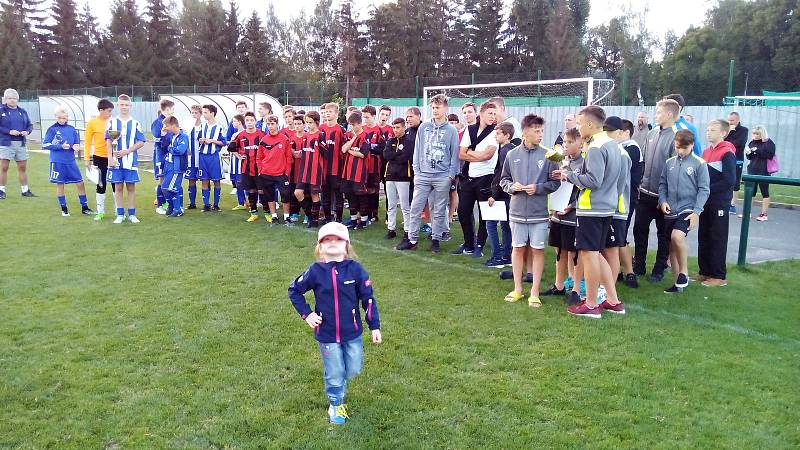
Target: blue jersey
176	157
130	132
55	137
262	125
194	146
214	132
683	124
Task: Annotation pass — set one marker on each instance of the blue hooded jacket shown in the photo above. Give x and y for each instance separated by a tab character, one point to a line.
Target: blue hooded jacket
13	119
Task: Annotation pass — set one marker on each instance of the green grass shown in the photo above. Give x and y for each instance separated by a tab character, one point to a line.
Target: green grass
782	194
179	334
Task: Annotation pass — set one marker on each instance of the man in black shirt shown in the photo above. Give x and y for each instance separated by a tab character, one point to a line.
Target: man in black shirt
738	137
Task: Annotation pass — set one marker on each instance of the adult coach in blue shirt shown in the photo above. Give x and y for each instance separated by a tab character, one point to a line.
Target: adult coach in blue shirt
15	125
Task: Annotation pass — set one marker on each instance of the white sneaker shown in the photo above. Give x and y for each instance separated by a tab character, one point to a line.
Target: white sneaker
119	219
161	211
133	219
64	214
233	192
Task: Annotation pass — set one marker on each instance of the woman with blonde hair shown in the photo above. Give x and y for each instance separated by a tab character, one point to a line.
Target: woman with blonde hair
759	151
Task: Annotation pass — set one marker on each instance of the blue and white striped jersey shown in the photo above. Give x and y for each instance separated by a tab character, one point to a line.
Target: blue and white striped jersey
215	132
194	146
130	132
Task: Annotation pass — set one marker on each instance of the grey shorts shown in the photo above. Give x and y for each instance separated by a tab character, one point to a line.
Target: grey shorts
16	151
529	234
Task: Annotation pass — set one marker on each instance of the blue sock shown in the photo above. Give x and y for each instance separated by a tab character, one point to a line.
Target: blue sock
192	194
120	211
62	200
177	203
206	195
216	195
82	199
160	197
180	197
131	212
240	195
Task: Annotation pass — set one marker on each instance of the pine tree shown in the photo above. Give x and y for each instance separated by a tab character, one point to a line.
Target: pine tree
485	35
254	51
563	49
322	45
232	36
162	43
191	43
87	41
20	65
129	49
61	65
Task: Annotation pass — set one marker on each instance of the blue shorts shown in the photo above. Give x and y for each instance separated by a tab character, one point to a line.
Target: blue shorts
172	181
236	177
65	173
119	175
210	167
158	169
191	173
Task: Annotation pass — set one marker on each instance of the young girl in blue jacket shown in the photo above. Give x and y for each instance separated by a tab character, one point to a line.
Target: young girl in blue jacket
62	140
339	284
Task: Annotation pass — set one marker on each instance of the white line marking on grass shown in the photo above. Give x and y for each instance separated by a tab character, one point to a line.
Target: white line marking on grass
683	317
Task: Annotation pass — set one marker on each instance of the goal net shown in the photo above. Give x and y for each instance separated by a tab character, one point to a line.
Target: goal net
562	92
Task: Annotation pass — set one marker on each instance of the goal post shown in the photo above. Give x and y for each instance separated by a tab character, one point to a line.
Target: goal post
560	92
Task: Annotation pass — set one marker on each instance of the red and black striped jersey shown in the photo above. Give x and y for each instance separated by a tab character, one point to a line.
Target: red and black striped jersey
387	131
374	137
296	144
355	168
312	170
333	139
246	144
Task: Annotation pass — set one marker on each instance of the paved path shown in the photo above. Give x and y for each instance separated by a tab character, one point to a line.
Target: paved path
776	239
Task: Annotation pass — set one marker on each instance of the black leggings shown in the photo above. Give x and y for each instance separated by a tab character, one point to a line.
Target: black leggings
102	165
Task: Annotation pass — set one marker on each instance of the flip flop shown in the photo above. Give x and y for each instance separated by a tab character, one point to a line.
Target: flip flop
513	297
534	302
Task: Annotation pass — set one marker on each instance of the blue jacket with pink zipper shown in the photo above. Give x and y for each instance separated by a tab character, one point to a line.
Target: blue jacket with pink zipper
338	288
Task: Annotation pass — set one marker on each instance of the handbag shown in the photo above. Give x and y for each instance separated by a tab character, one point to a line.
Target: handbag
772	165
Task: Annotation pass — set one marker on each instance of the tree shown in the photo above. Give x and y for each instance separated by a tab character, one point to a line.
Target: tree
322	42
87	42
232	33
563	50
20	67
254	51
484	40
60	62
161	42
129	49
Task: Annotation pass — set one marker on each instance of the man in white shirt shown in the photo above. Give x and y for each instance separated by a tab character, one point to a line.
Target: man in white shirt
478	150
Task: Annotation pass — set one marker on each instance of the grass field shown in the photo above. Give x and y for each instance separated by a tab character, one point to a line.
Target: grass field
177	333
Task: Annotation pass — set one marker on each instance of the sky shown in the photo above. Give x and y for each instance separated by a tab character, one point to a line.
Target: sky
675	15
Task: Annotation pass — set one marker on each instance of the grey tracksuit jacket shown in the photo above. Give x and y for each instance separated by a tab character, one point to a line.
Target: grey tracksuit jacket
598	177
660	146
684	185
528	166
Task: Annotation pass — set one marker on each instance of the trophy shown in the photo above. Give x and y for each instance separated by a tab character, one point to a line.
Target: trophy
113	135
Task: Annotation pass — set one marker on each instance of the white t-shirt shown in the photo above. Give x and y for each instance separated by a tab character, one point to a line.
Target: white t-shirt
479	169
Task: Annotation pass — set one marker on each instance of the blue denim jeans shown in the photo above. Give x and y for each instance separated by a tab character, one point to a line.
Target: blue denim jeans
341	362
498	250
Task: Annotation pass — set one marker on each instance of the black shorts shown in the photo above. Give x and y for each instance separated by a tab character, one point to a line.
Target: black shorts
309	188
567	238
333	183
373	181
354	187
764	189
592	232
677	223
616	233
269	183
554	235
250	183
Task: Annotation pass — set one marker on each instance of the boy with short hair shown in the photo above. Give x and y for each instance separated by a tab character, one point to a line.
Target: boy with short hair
96	152
625	139
211	141
264	110
333	136
275	161
501	253
246	144
356	150
526	178
175	163
193	165
125	137
312	168
397	153
617	239
682	194
296	140
597	204
374	138
160	143
235	170
62	140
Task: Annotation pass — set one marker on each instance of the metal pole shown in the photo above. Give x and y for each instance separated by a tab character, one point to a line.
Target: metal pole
745	231
416	89
730	77
623	94
368	96
539	86
472	91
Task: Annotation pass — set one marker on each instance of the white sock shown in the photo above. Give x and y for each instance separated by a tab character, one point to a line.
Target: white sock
101	203
24	188
2	188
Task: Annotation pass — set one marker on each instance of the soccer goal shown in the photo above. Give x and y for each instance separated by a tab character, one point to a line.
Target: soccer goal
562	92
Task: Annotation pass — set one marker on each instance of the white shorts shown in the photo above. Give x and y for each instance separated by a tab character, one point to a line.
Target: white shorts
529	234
